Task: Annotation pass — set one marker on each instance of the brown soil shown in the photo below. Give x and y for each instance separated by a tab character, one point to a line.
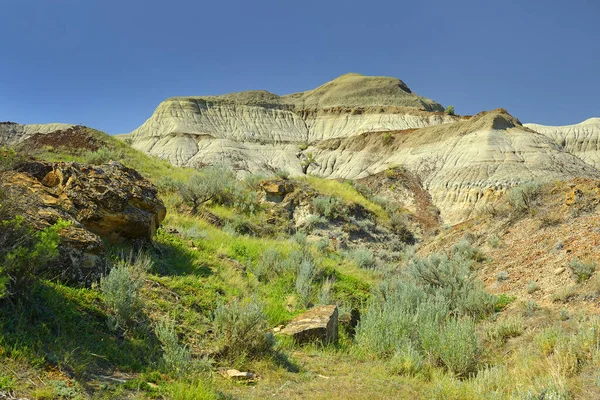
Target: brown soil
76	137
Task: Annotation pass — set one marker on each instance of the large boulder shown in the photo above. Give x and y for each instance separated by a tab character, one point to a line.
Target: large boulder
103	203
320	323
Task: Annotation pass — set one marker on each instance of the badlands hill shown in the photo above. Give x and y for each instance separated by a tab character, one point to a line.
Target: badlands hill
357	126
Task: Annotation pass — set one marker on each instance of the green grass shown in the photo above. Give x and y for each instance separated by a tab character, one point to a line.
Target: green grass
345	192
150	167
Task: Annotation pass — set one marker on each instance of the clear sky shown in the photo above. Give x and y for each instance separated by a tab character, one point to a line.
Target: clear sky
107	63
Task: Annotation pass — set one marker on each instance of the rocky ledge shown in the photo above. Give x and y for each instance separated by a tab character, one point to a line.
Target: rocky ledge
103	203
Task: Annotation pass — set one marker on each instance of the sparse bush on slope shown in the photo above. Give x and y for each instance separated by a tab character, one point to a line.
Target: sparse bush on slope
433	306
241	329
525	197
219	186
121	290
23	251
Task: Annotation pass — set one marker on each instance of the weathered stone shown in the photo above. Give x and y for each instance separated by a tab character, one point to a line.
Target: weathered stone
317	324
559	270
238	375
102	203
275	191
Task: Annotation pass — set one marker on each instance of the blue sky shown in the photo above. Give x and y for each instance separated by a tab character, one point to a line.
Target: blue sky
107	64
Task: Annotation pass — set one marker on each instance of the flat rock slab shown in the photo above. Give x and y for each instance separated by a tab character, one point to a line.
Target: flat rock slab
317	324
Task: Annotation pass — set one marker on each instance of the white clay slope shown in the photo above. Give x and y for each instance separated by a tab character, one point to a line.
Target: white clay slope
582	140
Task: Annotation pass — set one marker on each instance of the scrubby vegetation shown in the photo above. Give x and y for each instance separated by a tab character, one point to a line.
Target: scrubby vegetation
225	271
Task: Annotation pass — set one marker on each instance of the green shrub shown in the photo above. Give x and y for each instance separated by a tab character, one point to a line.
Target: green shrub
309	159
532	287
325	295
103	155
9	158
121	290
24	251
176	357
313	222
329	207
449	110
303	146
166	184
582	270
241	329
494	241
399	225
387	139
218	185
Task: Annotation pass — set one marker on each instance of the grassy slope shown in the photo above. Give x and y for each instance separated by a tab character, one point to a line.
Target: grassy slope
58	344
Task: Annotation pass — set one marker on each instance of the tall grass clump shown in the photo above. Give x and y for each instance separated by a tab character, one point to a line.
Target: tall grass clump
121	290
241	329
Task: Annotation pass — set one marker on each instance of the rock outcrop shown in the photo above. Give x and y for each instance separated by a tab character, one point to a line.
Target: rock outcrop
102	203
320	323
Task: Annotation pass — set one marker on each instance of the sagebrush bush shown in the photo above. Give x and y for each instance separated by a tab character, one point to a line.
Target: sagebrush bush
282	174
103	155
166	184
525	197
241	329
454	345
399	225
304	279
505	329
270	265
362	257
325	293
407	360
467	251
121	290
176	357
433	306
329	207
453	279
582	270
